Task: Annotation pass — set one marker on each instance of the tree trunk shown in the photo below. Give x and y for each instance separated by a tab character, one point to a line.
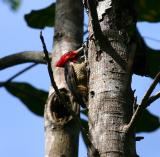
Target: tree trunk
62	132
110	100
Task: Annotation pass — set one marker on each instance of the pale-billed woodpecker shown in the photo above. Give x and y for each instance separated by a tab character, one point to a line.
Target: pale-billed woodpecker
75	75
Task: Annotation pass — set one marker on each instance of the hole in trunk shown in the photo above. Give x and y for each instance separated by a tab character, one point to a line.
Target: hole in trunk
92	93
59	109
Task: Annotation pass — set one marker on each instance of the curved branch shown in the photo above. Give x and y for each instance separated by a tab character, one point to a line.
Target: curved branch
22	57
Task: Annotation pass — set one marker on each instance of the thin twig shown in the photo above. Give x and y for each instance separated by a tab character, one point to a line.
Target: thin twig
135	104
49	66
94	18
22	57
139	138
150	90
153	98
85	32
143	105
18	74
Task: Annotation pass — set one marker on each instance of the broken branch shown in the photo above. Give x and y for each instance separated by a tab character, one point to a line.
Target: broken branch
48	60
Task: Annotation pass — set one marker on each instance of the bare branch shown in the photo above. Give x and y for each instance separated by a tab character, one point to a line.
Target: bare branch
17	74
153	98
150	90
94	18
48	60
85	32
100	39
143	105
139	138
22	57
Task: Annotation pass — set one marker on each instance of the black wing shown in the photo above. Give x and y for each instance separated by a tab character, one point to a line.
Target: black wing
71	80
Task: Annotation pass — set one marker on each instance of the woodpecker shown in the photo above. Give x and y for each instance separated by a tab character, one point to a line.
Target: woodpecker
75	75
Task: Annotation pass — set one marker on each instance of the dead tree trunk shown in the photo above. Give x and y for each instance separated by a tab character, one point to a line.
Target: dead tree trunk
110	98
62	132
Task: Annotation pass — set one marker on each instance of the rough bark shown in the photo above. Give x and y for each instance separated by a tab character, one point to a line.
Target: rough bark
62	132
110	100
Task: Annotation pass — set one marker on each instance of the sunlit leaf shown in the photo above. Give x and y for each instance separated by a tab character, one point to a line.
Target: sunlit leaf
41	18
34	99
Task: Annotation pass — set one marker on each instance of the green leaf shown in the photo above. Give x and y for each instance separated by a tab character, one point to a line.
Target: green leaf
147	60
41	18
33	98
148	10
148	122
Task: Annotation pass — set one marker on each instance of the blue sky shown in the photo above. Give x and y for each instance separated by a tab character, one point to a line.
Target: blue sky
21	132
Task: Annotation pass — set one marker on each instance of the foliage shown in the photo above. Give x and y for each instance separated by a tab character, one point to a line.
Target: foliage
41	18
34	99
147	11
148	122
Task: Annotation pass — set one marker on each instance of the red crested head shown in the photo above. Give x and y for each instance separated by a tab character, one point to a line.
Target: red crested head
66	57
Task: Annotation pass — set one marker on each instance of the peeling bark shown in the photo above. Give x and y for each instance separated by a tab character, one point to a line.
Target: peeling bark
62	131
110	100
